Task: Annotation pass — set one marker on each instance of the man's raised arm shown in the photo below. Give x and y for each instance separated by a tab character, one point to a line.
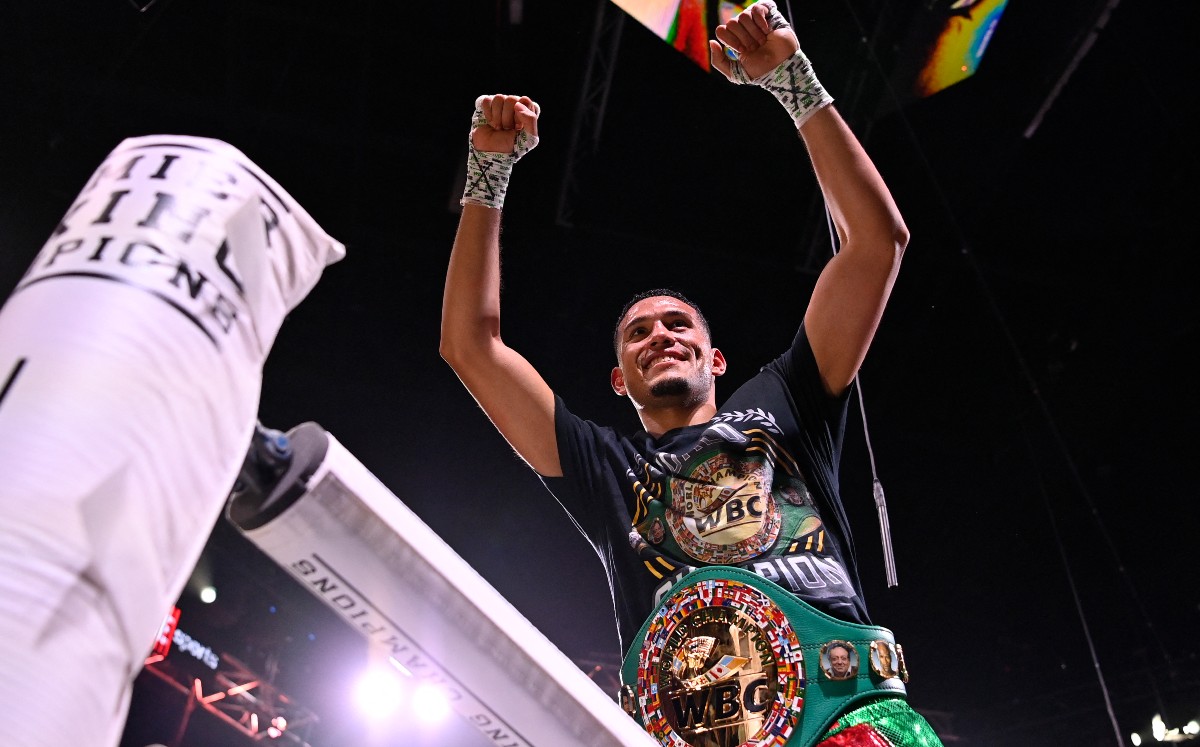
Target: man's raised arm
852	290
506	386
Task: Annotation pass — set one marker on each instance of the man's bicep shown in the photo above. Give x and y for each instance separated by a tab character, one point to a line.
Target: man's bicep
844	312
519	403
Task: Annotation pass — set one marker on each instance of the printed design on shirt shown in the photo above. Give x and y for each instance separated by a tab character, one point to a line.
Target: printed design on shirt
733	496
657	565
647	487
757	415
722	509
748	475
804	568
657	532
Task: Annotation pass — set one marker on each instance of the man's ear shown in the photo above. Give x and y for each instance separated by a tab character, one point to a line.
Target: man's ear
718	362
617	379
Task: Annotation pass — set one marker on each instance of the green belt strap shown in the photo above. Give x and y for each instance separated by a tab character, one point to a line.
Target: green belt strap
824	699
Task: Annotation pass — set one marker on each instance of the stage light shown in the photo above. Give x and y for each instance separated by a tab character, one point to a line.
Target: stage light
429	704
378	693
1158	729
1136	739
208	595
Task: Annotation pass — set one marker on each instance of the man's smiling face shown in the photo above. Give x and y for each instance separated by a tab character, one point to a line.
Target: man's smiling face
666	357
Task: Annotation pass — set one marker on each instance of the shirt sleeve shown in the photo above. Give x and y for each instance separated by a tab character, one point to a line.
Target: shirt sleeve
584	486
797	366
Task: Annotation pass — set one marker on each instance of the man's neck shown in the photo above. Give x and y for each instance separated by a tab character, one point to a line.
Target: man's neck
658	420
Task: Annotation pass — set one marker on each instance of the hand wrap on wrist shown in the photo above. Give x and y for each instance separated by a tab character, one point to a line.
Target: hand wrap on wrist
793	83
488	172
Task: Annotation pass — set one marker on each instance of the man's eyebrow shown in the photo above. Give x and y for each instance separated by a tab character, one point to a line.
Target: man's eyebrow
670	313
635	320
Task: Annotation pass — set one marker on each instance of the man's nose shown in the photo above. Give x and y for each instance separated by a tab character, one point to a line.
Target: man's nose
660	334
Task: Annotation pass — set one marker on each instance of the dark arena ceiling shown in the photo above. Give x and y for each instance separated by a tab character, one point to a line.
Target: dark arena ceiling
1026	399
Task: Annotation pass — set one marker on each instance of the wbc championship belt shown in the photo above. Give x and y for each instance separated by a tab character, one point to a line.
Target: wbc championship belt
730	659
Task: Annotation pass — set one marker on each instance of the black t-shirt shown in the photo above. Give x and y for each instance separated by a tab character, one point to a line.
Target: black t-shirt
755	487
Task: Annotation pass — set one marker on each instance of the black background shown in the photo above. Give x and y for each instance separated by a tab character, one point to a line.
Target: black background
1028	398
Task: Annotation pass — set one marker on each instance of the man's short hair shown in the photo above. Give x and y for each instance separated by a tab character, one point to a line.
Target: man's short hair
651	294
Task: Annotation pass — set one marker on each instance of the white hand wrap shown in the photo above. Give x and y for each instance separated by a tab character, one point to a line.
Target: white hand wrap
793	83
488	172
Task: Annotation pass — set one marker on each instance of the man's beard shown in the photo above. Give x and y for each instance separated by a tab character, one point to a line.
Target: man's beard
680	390
670	388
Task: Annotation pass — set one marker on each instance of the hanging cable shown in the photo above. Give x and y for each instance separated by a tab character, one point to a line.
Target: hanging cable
1084	47
885	526
1083	623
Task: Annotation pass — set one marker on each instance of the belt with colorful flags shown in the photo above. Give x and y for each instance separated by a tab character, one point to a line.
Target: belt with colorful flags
730	658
